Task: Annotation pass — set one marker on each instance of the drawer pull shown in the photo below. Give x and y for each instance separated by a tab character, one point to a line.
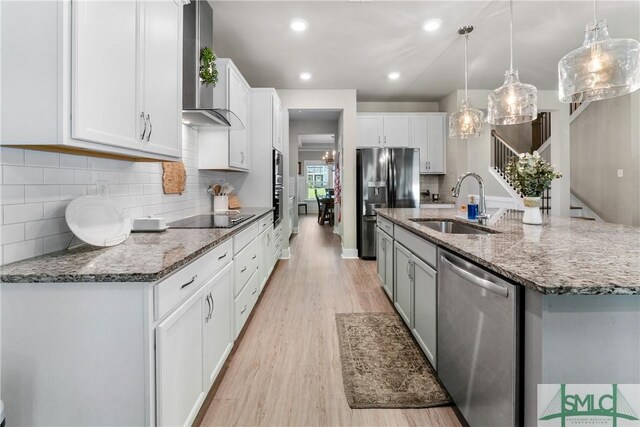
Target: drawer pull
254	257
243	269
243	309
193	279
222	256
254	291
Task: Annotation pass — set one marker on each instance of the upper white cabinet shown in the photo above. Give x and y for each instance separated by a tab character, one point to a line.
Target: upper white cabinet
223	149
425	131
384	130
277	123
108	79
429	135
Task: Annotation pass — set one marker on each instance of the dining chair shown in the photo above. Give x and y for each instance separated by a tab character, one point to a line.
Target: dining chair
319	205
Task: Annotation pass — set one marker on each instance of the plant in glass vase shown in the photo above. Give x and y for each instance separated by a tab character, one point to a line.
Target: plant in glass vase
531	175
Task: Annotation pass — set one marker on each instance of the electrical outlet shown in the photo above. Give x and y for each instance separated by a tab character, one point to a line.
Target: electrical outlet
620	173
102	188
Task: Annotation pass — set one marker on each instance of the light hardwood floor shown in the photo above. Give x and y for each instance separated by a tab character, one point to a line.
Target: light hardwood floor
285	370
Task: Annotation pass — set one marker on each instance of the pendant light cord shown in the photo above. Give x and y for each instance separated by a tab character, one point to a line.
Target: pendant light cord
511	34
595	10
466	67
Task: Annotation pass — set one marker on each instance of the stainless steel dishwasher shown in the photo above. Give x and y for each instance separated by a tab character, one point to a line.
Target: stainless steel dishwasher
478	342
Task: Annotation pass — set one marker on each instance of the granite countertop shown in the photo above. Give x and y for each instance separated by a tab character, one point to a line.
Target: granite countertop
143	257
563	256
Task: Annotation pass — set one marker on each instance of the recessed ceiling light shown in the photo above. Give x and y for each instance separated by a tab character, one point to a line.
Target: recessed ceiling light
394	76
305	76
432	25
299	25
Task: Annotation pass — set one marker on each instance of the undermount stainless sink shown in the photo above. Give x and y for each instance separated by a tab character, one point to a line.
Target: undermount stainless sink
451	227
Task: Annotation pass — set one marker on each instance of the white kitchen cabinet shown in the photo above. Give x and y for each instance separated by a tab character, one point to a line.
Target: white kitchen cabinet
266	255
94	82
162	79
424	308
179	364
429	135
403	282
105	102
384	261
225	149
370	130
384	130
218	331
277	126
396	131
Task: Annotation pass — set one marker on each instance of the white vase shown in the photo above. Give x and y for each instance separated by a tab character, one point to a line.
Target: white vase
220	203
532	214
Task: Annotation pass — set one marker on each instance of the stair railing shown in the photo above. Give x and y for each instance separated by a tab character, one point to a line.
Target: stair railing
502	154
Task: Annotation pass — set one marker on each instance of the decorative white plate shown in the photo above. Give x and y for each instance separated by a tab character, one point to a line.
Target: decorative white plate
97	221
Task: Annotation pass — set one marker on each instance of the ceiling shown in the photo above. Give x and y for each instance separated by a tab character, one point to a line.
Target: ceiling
311	114
355	45
317	141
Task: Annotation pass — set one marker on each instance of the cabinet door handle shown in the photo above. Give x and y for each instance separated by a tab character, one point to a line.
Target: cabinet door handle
213	304
243	269
254	291
208	316
150	127
193	279
243	309
385	140
378	139
254	257
222	256
145	126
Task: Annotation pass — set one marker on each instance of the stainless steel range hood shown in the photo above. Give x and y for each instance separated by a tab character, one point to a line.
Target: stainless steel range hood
198	104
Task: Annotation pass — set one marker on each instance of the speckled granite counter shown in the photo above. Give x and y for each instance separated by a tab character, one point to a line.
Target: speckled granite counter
564	256
144	257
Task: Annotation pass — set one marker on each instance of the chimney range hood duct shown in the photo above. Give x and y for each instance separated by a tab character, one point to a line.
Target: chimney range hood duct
198	104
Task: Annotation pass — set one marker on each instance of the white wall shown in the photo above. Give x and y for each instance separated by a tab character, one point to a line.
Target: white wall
38	185
335	100
604	139
397	107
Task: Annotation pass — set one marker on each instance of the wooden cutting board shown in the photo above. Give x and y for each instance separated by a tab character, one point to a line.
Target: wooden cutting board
174	177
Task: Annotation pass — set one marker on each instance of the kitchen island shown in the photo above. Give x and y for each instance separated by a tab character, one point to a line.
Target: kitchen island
134	334
577	284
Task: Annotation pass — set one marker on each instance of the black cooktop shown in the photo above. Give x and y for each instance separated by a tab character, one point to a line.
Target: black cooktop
223	220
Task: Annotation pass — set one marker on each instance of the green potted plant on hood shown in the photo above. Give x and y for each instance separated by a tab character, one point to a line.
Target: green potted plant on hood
531	175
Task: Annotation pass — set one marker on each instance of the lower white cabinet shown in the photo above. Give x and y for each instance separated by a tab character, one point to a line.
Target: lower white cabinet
424	308
384	261
266	255
415	295
403	281
179	360
218	334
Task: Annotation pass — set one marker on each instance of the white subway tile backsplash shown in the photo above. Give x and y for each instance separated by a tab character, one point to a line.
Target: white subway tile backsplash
11	233
70	192
21	175
22	213
58	176
41	158
11	156
57	242
46	227
11	194
71	161
41	193
54	209
22	250
36	188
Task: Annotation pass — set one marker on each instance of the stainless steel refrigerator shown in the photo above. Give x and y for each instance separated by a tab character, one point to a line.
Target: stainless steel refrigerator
386	177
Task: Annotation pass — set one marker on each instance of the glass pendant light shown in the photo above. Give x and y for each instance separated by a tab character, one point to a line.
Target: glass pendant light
601	68
467	121
513	102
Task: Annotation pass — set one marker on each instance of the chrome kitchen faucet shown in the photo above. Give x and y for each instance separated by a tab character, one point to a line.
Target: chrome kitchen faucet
483	216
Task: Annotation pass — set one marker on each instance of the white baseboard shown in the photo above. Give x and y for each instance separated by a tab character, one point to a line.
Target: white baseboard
349	253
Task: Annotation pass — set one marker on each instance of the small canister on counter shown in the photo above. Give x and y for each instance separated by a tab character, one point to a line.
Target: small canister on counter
472	209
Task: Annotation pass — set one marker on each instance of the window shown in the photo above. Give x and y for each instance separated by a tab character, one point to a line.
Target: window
318	178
